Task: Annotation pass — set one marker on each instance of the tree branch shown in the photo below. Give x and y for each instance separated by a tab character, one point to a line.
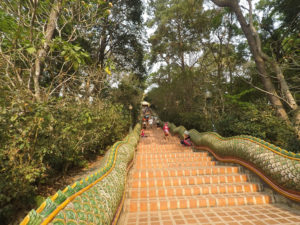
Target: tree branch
224	3
266	92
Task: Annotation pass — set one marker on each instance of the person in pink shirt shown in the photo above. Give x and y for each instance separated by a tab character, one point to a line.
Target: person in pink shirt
142	133
166	130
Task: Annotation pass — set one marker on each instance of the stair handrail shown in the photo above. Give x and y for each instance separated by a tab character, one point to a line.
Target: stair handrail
279	168
121	151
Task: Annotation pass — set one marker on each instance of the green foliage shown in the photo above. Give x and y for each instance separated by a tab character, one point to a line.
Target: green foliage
49	137
280	27
180	25
244	98
129	92
223	67
7	22
121	38
70	52
192	120
38	140
257	122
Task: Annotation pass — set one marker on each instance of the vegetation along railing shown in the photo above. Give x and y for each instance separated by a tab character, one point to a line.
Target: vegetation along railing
96	199
279	168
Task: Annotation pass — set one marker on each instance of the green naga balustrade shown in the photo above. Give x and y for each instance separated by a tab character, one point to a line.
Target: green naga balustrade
277	167
98	198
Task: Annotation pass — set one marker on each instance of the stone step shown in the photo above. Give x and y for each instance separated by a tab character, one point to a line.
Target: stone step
191	180
193	190
187	171
187	202
174	165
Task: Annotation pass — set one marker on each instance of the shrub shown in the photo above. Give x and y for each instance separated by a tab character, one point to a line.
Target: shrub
39	139
190	120
261	123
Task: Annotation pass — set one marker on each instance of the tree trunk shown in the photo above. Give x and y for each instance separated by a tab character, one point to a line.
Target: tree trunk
284	86
41	53
267	82
285	91
180	46
259	61
289	97
102	46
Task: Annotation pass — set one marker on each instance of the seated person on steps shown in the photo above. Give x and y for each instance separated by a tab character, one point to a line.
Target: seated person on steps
187	139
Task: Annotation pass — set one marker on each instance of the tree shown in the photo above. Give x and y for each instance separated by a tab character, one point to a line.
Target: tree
261	59
42	43
129	92
42	52
180	26
117	40
279	33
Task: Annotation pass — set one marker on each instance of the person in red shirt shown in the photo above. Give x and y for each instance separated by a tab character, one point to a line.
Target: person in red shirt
166	130
142	133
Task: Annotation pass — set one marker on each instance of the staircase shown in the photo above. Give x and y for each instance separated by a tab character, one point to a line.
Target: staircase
170	184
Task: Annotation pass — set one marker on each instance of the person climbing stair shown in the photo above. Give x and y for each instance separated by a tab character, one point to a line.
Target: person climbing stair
166	131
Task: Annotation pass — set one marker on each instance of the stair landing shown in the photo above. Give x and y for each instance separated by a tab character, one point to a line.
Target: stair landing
170	184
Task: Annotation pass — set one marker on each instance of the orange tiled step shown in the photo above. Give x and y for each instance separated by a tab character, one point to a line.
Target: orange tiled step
159	145
155	204
267	214
167	177
169	160
154	146
192	180
163	149
155	143
193	190
170	155
174	165
192	171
